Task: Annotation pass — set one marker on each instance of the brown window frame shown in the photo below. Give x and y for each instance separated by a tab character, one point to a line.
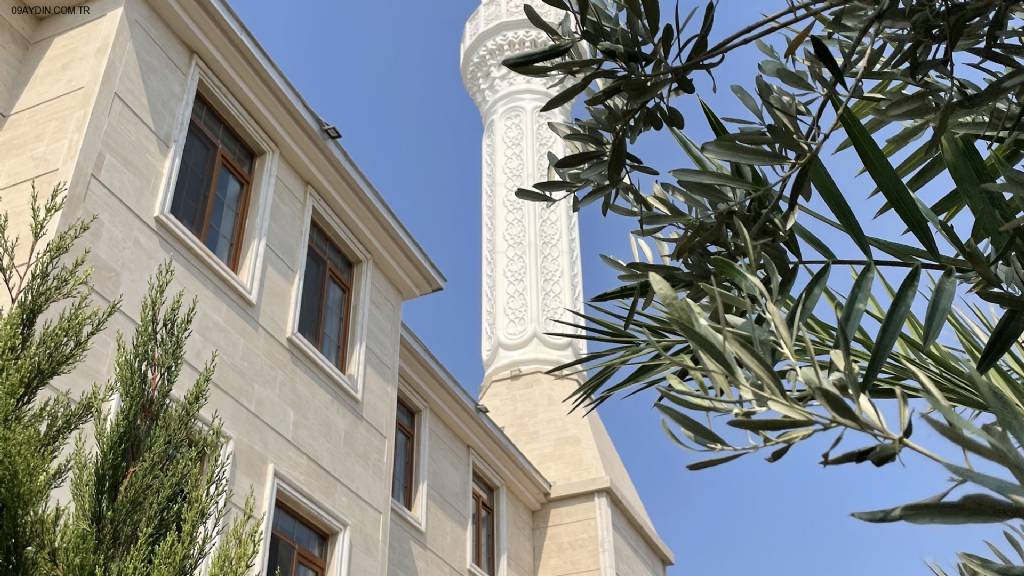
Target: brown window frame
332	272
410	469
301	553
481	502
223	158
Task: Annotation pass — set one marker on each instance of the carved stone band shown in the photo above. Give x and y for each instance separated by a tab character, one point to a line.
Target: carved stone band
483	73
492	12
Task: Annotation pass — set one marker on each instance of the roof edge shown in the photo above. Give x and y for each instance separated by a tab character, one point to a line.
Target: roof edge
468	407
421	274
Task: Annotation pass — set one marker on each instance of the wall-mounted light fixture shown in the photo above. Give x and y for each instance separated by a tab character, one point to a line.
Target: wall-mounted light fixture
332	131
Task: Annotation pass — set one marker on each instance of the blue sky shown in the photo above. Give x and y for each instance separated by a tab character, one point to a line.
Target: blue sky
386	72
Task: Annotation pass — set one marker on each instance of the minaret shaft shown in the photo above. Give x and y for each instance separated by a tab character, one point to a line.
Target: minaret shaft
531	278
530	260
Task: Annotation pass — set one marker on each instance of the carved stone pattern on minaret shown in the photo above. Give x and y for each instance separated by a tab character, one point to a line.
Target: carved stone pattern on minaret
575	276
552	302
490	12
485	76
516	304
488	240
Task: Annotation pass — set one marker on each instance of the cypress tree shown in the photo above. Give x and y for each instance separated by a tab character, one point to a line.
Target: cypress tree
148	500
36	423
148	476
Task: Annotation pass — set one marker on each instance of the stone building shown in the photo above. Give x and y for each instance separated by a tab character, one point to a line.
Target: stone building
171	124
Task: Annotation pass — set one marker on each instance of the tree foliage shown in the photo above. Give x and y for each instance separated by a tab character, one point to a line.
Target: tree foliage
149	486
35	425
736	310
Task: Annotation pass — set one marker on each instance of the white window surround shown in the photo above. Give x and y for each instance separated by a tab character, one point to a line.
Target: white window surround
351	380
477	465
281	488
246	280
418	515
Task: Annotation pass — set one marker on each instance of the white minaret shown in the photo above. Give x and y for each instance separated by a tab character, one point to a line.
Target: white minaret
531	264
595	521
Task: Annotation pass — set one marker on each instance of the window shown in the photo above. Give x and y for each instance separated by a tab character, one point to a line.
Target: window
326	297
483	525
296	548
302	536
211	195
402	477
216	193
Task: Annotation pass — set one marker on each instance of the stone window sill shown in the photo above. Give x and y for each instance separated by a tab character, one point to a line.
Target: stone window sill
212	263
346	382
416	521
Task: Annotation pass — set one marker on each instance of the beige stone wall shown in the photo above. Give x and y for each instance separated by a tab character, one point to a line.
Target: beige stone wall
442	548
577	533
633	555
566	537
97	104
16	33
278	406
531	410
50	74
106	120
97	100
